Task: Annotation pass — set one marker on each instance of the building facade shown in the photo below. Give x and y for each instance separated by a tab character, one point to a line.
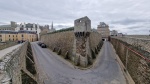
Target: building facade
81	49
8	35
22	35
114	33
29	27
25	29
12	26
103	29
52	29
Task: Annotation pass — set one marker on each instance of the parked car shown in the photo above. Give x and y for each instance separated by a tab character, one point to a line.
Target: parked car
21	41
43	45
39	43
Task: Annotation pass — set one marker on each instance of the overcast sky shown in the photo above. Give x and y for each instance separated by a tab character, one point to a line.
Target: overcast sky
126	16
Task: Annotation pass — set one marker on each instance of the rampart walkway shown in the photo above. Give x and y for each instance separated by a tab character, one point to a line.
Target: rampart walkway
7	50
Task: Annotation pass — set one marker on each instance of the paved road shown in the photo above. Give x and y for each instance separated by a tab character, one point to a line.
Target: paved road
105	71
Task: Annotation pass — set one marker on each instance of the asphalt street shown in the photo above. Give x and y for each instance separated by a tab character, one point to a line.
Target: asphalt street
53	69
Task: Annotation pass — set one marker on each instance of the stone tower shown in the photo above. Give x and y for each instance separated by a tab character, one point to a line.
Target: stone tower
13	24
103	29
82	29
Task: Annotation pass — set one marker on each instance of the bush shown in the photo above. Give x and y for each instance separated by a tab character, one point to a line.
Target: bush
93	54
66	55
96	52
59	52
54	49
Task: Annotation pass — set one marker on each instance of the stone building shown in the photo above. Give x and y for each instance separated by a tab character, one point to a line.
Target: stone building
22	35
114	33
82	29
8	35
52	29
103	29
11	26
29	27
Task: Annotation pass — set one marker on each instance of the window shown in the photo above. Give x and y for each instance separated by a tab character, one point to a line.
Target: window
21	28
22	35
9	35
13	35
0	35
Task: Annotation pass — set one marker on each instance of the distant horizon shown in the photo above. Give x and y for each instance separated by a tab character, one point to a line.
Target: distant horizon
58	27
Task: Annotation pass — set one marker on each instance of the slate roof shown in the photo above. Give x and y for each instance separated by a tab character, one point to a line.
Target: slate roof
15	32
8	31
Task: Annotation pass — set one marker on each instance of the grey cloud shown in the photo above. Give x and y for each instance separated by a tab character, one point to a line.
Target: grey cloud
136	27
128	21
61	26
111	26
123	13
3	23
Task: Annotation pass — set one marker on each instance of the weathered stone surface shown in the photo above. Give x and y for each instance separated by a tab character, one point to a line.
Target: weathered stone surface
82	32
135	64
18	61
95	38
82	24
78	43
63	40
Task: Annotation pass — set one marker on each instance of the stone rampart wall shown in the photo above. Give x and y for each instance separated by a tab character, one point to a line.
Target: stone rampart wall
60	40
95	39
135	62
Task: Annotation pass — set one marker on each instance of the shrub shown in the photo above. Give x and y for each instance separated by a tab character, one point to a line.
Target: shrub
59	52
